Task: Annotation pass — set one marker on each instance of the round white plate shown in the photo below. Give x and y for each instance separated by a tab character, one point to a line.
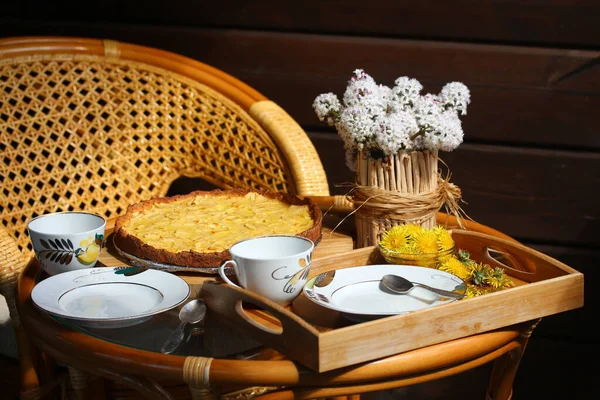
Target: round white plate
358	294
110	297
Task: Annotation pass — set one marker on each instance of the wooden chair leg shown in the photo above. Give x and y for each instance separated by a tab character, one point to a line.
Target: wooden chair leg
79	382
30	384
203	394
86	386
12	262
505	368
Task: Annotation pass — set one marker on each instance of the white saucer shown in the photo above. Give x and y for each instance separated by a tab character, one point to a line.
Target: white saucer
110	297
359	295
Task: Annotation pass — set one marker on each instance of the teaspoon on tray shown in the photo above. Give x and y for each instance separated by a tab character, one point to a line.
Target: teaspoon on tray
400	285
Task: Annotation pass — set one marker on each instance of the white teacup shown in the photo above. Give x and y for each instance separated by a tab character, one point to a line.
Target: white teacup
275	266
66	241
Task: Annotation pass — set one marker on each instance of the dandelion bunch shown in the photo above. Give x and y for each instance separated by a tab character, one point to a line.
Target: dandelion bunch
383	120
479	277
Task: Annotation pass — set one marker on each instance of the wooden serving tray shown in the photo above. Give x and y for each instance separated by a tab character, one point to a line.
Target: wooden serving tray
322	340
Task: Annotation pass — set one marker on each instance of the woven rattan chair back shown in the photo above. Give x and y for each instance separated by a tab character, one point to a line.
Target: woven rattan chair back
97	125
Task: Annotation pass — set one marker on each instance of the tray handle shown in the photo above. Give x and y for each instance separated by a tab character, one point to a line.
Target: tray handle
521	262
239	309
271	324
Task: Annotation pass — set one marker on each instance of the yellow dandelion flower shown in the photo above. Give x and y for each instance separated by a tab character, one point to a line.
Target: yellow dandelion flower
474	291
498	279
394	239
444	238
411	230
426	241
454	266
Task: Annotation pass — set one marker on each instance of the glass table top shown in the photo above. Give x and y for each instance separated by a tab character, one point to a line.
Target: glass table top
153	333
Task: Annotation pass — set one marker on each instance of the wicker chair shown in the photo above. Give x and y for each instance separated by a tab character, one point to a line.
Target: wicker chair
97	125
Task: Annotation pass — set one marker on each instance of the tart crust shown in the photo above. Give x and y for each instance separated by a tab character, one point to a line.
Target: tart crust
131	244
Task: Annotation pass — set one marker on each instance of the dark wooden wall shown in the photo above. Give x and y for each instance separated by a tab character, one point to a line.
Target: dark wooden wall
530	162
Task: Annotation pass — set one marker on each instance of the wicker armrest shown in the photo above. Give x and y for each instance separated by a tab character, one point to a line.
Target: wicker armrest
305	164
12	263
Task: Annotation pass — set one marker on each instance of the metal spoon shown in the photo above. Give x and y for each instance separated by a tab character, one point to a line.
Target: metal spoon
400	285
192	313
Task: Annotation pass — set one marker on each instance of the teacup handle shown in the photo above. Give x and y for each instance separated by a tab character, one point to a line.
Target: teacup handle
222	271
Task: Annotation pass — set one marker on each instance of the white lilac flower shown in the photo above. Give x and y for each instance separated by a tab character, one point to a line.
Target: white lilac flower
362	91
387	98
356	127
455	95
428	104
452	131
395	131
406	91
444	135
327	106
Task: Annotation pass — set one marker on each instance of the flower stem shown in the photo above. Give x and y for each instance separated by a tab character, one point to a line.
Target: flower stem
416	135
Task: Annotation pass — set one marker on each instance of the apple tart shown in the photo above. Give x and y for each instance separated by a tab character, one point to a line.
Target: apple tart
197	229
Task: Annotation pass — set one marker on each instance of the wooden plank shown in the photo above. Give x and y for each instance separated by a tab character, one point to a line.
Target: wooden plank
530	94
530	194
556	22
332	59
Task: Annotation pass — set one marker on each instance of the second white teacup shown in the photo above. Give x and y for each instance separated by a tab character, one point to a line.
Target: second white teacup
275	266
65	241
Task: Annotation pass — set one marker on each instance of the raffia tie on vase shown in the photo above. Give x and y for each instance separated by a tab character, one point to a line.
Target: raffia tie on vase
404	189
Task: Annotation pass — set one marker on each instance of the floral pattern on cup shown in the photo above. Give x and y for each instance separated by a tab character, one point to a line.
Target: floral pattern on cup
62	251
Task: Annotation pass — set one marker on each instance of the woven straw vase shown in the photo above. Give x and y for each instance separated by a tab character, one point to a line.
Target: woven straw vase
393	191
